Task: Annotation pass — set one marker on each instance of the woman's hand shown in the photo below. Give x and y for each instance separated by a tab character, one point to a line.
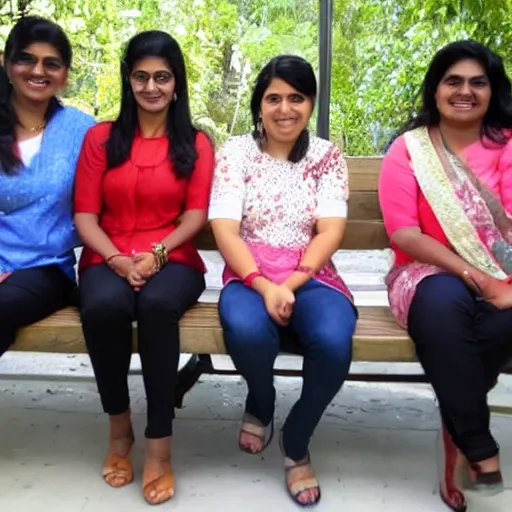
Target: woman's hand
145	263
4	276
124	266
496	291
279	302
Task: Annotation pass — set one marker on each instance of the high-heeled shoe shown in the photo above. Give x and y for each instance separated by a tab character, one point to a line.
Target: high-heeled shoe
453	473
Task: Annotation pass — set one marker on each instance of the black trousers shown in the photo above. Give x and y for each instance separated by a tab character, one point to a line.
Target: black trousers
463	343
108	306
30	295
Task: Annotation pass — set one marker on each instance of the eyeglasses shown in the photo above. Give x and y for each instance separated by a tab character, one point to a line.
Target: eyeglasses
28	60
160	77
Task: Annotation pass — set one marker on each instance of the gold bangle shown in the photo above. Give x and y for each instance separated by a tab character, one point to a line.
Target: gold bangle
161	253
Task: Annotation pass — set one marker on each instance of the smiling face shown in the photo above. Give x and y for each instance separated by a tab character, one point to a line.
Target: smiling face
37	73
464	93
153	84
285	112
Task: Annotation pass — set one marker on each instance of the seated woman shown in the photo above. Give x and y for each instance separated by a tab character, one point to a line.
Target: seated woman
40	140
446	194
278	212
136	176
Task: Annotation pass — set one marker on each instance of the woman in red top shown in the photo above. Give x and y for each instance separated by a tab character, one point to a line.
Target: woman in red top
135	177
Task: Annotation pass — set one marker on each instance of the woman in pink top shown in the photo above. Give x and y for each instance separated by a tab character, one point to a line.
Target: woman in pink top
278	210
446	193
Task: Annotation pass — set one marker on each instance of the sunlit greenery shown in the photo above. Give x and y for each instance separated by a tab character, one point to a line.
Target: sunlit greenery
380	52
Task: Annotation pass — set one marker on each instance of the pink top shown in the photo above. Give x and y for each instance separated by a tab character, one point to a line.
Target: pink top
278	202
403	204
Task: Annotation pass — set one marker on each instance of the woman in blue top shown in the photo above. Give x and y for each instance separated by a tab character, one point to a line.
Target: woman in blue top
40	140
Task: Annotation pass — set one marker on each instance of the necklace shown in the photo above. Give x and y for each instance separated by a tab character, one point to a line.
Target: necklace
33	129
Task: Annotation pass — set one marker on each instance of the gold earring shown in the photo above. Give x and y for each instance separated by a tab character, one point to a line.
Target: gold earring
261	131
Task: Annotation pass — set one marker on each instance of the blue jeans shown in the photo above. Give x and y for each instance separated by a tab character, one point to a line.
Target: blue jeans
323	321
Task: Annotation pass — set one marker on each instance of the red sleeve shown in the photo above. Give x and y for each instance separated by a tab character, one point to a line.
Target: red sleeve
398	189
200	184
92	163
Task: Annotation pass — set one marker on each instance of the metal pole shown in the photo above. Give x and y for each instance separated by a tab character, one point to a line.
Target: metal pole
325	61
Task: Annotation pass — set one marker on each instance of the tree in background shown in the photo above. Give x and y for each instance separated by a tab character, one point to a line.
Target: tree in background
381	49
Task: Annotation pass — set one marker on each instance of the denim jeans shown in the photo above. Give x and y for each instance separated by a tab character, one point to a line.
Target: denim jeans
323	321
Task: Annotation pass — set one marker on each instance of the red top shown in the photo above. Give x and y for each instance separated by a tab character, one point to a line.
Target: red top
138	202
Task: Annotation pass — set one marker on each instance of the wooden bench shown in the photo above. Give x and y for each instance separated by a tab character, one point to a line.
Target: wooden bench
377	337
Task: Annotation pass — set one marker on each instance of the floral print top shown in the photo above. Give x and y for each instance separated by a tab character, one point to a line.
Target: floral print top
278	202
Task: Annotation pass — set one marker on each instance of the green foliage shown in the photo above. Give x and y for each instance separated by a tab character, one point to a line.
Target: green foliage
381	49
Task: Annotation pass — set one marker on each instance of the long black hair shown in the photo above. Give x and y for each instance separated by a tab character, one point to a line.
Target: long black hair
499	114
180	130
297	73
27	31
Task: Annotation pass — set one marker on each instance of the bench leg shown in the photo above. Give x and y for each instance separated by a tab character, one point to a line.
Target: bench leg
189	375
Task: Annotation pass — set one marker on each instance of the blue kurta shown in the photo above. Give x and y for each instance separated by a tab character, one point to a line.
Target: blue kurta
36	202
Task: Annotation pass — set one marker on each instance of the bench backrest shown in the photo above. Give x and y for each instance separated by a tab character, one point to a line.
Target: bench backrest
365	229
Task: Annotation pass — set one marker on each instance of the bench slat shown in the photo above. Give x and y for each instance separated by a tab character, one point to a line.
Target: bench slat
364	205
377	337
364	172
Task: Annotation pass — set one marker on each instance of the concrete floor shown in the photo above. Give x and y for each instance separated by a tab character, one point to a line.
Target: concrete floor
373	450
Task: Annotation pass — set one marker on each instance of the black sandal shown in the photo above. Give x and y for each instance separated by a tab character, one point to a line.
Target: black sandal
297	487
265	438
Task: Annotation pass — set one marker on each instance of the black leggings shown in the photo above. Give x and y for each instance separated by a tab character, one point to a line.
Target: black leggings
462	343
108	306
30	295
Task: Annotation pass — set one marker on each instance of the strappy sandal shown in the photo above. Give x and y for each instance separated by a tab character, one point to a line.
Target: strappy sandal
265	437
117	467
164	482
301	485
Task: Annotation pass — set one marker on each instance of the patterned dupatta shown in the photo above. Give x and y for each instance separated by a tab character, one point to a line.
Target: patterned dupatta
472	217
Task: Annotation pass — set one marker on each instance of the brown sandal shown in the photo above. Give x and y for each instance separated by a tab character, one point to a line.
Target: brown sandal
162	484
301	485
117	467
265	437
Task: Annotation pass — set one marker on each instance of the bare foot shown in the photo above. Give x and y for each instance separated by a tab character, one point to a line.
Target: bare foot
158	477
302	482
118	470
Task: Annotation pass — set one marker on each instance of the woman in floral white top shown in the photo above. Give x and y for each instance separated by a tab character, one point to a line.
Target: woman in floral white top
278	210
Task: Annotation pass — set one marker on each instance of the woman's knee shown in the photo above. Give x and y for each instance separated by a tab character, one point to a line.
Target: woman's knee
104	295
104	304
332	343
442	294
442	307
244	318
170	293
154	305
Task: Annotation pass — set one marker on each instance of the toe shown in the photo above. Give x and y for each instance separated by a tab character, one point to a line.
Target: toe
250	442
